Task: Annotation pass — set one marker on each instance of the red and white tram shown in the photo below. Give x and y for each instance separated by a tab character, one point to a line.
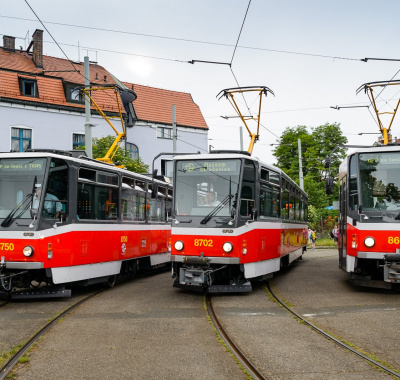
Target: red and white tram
66	219
369	216
235	219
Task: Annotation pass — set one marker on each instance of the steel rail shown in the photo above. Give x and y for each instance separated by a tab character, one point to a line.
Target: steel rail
240	356
9	364
335	340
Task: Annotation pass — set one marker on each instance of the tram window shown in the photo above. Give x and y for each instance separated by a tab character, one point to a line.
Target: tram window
353	190
87	174
291	206
269	201
247	192
97	202
132	200
56	197
285	202
107	178
157	205
264	175
140	185
297	208
274	178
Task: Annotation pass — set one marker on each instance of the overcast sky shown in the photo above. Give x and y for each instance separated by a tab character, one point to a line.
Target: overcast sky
281	47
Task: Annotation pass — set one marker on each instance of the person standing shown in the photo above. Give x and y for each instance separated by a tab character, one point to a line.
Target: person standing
313	238
335	233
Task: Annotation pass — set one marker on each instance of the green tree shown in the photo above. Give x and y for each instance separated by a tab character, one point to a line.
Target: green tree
321	143
101	146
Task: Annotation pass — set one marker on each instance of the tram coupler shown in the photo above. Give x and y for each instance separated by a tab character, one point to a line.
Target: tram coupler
391	268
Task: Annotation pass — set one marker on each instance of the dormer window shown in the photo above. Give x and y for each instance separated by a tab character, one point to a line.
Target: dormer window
28	87
73	93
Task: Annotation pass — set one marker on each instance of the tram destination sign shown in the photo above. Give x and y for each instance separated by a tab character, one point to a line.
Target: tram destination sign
207	166
22	165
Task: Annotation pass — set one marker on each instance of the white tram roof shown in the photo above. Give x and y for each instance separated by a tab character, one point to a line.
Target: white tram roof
375	149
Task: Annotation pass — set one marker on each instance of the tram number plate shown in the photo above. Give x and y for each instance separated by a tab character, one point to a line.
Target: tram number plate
393	239
6	247
203	243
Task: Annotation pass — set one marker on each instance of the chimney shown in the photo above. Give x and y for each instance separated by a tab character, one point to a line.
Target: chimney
9	43
37	39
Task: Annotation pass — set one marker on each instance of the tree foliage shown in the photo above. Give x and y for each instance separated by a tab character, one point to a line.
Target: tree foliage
101	146
325	141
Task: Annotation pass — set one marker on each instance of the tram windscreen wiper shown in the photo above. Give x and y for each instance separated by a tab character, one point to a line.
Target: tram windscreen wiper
7	221
216	209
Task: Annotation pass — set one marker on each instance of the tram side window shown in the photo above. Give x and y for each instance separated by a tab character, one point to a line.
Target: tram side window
132	200
353	190
269	201
247	191
56	197
157	205
285	201
297	207
97	201
291	206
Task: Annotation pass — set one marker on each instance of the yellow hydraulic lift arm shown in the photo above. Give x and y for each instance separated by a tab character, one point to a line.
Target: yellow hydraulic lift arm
127	97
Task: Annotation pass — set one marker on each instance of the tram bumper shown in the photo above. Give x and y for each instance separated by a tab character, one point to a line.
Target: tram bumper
391	267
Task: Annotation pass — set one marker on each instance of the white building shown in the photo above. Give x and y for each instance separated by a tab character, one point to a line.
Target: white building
41	107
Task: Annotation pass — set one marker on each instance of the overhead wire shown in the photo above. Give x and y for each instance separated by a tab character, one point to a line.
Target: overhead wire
192	40
44	26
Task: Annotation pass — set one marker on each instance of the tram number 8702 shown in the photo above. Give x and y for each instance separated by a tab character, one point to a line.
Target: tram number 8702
203	243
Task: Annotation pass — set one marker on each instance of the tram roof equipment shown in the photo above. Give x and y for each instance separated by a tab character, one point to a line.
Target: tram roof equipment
229	93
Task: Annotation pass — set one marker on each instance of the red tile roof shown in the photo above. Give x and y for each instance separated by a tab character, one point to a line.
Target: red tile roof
155	105
152	104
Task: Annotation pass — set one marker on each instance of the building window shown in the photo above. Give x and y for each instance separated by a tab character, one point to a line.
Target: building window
28	87
133	151
164	133
21	139
78	140
73	93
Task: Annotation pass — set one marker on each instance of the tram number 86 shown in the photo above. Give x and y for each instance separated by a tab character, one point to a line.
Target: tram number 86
203	243
393	240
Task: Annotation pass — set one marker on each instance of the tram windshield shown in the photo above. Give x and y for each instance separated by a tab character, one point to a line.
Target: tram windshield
18	179
205	186
380	181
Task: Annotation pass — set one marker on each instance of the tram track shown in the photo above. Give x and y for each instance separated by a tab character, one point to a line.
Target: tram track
340	343
14	359
236	351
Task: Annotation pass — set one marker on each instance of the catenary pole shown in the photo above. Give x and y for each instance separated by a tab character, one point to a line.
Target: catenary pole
88	125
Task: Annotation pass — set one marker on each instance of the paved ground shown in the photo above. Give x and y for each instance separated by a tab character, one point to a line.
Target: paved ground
146	329
277	343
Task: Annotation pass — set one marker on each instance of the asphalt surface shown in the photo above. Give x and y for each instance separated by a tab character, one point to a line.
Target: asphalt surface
146	329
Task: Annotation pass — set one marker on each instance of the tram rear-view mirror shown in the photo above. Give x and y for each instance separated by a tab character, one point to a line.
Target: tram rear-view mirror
329	185
33	212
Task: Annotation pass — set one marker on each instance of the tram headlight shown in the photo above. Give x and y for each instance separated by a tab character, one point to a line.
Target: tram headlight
227	247
369	242
28	251
178	245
